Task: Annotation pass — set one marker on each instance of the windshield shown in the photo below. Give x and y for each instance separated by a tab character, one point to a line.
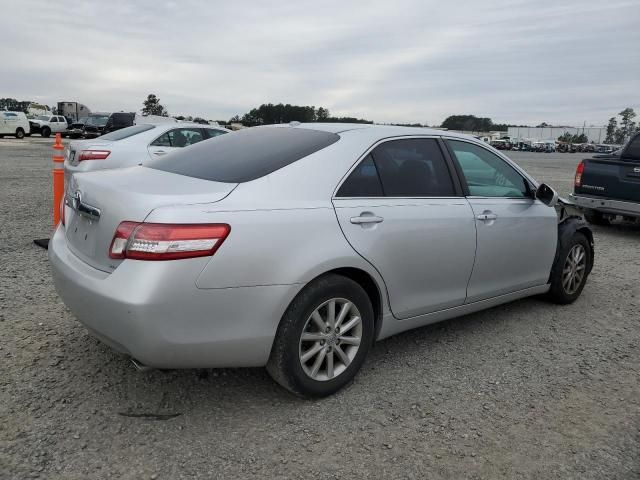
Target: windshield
127	132
98	121
43	117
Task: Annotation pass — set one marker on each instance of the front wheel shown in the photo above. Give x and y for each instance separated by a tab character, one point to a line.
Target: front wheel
46	131
323	337
19	134
569	273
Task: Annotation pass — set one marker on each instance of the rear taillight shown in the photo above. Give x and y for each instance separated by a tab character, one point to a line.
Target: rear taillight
163	241
579	170
93	155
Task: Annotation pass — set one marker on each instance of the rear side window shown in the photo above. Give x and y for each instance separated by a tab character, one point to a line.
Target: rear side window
211	132
401	168
127	132
179	137
245	155
363	181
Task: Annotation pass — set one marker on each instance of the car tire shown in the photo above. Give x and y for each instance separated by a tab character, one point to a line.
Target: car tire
19	133
337	359
570	270
596	218
45	132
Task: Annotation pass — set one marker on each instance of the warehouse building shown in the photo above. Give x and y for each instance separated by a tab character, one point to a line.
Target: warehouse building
594	134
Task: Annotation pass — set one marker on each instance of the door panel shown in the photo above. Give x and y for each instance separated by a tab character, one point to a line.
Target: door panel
515	248
516	235
423	248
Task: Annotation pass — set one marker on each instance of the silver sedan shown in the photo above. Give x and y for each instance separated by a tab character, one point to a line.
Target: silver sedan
295	247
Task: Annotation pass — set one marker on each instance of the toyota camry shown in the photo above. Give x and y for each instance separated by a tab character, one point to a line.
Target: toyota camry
297	246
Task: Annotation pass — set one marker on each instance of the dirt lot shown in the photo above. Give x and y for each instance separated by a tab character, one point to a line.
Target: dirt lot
526	390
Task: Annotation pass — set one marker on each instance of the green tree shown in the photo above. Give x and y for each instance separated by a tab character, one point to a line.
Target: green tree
627	125
612	128
152	106
469	123
322	114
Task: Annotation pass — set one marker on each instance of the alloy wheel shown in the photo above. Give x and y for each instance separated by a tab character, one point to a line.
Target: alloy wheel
330	339
574	269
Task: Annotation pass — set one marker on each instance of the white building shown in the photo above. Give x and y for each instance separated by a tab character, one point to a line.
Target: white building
594	134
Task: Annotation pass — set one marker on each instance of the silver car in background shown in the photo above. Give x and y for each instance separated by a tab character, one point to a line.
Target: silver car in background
298	246
134	145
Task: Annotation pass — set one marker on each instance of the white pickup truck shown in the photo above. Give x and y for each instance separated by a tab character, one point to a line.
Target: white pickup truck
45	125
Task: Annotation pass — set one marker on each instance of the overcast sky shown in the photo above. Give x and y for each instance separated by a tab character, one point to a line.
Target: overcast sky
562	62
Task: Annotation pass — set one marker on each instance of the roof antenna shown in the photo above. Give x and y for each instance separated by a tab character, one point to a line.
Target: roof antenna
294	124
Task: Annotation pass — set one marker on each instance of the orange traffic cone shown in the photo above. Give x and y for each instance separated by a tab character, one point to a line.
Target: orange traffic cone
58	187
58	179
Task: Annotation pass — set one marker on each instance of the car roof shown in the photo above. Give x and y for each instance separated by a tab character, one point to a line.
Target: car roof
375	129
171	126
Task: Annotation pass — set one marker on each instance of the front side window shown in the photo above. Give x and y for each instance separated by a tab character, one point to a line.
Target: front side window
486	174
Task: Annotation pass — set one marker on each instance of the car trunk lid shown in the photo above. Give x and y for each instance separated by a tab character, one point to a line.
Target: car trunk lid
97	202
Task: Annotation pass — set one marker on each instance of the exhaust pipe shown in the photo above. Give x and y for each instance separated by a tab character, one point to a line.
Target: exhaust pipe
139	366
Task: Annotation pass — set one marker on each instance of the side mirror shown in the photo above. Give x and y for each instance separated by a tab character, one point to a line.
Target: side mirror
547	195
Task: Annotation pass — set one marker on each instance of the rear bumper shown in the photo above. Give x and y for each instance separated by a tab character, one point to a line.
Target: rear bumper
606	205
154	312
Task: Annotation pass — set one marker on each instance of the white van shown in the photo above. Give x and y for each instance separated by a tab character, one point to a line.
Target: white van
15	124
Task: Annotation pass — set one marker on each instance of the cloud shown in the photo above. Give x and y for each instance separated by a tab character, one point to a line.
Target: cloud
404	61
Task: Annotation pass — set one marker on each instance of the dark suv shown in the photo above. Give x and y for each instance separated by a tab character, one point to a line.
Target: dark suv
119	120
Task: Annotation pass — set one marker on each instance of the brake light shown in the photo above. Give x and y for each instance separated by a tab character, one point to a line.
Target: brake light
579	170
163	241
93	155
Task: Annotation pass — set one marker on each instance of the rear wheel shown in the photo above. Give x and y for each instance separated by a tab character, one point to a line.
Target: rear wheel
323	338
596	218
569	273
20	133
46	132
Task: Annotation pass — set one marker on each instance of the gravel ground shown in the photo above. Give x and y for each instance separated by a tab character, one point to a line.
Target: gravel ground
526	390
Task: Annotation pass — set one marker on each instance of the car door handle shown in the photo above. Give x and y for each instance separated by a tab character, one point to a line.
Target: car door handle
487	215
159	152
363	219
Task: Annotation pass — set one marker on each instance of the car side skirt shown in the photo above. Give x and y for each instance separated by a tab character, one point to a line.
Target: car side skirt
391	326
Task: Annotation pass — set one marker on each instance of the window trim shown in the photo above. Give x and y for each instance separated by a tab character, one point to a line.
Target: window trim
459	193
529	181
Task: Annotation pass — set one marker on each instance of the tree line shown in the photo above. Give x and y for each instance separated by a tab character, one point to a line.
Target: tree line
269	113
618	134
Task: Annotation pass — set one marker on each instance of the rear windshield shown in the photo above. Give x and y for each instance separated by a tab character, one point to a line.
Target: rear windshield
127	132
245	155
632	150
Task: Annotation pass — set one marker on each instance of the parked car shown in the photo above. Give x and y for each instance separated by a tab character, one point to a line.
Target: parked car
119	120
88	127
45	125
15	124
95	125
296	247
135	145
608	186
